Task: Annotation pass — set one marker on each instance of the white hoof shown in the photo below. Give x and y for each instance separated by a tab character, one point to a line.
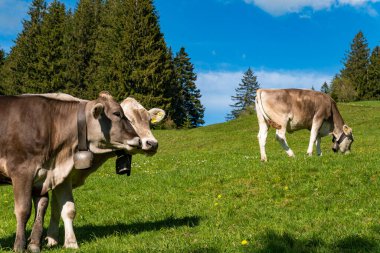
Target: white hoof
33	248
290	153
71	245
51	242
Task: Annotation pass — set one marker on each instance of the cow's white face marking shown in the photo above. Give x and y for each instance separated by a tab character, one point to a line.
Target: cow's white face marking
345	146
141	119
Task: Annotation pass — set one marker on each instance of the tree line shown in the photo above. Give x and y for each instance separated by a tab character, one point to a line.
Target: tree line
113	45
360	77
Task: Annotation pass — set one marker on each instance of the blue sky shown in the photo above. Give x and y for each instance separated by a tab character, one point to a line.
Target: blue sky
287	43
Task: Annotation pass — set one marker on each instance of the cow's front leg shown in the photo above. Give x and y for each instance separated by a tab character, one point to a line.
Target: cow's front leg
64	195
53	229
40	205
313	136
280	137
22	189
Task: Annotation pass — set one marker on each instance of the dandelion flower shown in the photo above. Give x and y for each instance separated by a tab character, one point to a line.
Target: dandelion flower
286	188
216	204
219	196
244	242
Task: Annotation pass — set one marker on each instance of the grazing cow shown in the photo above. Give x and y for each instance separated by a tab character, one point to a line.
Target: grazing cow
39	142
289	110
140	119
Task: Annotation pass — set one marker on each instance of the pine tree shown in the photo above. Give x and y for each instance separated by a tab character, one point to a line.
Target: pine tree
20	67
356	65
325	88
2	57
245	95
51	64
192	109
374	75
342	89
2	61
80	42
131	57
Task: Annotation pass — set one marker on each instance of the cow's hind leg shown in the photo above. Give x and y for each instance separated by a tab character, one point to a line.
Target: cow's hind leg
40	204
280	137
318	146
22	188
53	229
262	135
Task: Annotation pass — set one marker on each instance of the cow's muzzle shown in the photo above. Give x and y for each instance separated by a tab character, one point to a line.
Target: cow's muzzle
337	142
134	142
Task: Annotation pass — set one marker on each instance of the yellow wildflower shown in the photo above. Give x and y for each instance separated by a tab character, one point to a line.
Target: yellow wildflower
244	242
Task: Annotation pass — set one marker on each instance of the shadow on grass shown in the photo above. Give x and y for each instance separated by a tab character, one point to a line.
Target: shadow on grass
286	243
89	232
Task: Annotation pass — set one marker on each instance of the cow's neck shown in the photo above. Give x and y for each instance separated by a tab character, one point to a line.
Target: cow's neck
64	132
338	120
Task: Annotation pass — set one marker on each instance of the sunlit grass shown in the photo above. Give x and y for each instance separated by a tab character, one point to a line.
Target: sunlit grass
207	191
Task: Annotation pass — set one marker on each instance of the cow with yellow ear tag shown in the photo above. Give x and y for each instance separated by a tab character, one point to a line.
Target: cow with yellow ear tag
140	119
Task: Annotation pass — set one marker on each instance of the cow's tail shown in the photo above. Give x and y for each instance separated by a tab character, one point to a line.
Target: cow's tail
260	108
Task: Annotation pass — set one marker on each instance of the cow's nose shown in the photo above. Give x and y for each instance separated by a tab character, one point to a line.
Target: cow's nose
151	145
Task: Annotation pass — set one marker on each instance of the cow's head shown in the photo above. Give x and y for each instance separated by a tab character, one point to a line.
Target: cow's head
344	141
107	127
141	119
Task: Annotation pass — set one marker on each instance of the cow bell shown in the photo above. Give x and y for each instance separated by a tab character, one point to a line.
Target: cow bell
123	164
83	160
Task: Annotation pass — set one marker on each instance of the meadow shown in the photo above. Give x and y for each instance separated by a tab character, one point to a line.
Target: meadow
207	191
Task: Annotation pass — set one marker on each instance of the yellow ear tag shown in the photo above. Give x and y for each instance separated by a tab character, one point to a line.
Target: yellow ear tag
153	120
159	114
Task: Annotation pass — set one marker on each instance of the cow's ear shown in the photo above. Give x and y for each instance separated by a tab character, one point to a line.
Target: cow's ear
347	130
97	110
156	115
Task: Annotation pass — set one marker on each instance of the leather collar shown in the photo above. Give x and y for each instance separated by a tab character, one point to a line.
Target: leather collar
82	127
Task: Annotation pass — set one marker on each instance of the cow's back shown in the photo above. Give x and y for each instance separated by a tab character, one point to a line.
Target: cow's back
294	107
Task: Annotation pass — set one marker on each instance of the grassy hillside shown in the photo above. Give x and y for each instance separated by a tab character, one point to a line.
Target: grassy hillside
207	191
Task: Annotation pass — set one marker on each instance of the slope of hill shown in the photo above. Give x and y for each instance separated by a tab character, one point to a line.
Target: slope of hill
207	191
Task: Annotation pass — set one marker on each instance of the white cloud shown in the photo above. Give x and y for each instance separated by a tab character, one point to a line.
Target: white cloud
218	87
280	7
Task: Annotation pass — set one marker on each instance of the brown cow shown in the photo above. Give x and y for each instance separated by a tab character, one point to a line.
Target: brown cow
289	110
62	196
38	143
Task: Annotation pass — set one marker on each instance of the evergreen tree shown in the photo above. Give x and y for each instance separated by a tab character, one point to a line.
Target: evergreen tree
245	95
2	61
192	109
342	89
374	75
131	57
51	51
325	88
20	67
80	41
356	65
2	57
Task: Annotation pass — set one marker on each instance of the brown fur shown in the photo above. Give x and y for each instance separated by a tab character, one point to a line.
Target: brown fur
41	133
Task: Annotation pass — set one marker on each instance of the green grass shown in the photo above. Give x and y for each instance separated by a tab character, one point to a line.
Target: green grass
207	191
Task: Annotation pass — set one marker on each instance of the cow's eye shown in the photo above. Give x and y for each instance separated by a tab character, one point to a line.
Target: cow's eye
118	114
